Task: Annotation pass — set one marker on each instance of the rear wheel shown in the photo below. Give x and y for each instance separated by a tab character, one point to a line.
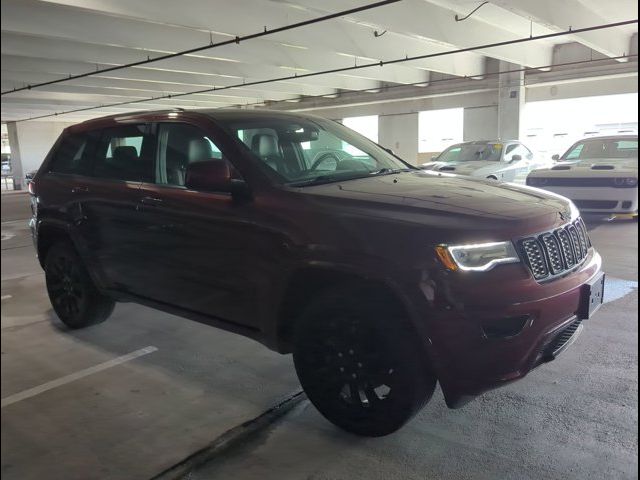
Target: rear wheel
360	362
74	297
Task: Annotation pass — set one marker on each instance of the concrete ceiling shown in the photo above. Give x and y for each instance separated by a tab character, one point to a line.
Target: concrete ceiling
44	40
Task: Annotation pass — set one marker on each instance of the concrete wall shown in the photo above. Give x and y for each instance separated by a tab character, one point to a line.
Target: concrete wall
30	142
400	134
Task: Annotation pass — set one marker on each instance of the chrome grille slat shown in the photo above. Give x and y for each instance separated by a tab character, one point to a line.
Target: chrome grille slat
567	249
535	258
552	248
575	240
582	233
550	254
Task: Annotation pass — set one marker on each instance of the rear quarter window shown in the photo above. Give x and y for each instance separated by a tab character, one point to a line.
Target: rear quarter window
74	154
125	153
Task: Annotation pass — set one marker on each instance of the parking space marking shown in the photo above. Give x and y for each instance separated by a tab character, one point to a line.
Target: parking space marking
32	392
6	297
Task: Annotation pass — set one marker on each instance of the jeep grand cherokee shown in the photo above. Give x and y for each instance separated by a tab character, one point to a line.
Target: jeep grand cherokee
380	278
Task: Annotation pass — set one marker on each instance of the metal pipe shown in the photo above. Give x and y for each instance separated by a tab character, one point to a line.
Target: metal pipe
235	40
346	69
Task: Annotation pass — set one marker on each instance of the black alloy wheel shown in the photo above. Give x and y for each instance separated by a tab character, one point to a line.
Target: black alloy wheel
360	363
73	295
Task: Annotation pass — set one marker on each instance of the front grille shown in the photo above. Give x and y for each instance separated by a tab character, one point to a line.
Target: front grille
577	182
603	204
550	254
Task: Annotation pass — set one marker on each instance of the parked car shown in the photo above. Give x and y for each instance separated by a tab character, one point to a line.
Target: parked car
599	174
486	159
6	164
380	278
28	177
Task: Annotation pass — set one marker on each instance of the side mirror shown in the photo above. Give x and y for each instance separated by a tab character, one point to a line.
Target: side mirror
208	175
556	157
435	158
515	158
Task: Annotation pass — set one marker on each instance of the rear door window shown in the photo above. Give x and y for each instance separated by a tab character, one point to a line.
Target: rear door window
179	145
125	153
74	154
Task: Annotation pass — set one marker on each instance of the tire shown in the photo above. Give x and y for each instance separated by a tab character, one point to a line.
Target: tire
360	362
74	297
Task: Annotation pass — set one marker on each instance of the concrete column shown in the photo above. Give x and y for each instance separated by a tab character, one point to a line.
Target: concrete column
511	97
480	123
400	134
30	142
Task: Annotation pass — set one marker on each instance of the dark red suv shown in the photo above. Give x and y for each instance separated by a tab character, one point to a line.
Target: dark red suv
293	230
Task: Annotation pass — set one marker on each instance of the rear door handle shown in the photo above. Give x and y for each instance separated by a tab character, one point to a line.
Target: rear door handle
80	189
151	200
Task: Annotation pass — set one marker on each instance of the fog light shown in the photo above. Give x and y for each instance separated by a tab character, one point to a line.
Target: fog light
505	327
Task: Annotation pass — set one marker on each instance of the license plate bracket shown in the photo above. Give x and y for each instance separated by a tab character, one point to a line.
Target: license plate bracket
591	297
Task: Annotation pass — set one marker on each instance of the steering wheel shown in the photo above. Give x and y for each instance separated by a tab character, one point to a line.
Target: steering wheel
322	158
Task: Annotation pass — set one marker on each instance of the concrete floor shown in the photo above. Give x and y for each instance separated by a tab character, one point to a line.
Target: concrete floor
576	417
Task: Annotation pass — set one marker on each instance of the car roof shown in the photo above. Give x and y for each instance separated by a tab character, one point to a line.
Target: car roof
610	137
485	142
226	114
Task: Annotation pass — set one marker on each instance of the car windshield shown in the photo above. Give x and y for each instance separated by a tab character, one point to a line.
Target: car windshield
472	152
306	151
608	148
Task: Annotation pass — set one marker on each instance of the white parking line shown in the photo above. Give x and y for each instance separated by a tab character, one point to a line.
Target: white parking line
6	297
32	392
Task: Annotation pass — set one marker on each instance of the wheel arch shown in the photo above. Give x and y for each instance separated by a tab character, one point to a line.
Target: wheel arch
50	233
311	280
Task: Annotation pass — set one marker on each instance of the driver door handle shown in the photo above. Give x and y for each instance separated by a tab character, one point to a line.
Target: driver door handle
151	200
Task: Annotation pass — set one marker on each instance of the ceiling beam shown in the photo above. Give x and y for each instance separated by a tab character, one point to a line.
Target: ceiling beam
409	17
561	15
128	26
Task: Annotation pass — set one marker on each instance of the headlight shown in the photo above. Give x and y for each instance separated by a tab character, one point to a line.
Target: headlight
628	182
477	257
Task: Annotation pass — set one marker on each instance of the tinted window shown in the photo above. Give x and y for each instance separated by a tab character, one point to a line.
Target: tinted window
303	151
518	149
179	145
124	153
470	152
74	154
603	148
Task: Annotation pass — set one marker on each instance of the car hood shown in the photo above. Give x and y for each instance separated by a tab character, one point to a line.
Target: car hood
476	167
591	167
441	194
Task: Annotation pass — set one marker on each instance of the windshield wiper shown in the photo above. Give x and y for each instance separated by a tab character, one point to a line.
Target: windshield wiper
389	171
323	179
340	178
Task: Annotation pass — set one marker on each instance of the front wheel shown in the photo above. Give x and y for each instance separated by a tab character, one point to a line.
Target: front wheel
360	362
74	297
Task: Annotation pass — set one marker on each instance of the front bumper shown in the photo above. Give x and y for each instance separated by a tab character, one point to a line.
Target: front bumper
491	332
